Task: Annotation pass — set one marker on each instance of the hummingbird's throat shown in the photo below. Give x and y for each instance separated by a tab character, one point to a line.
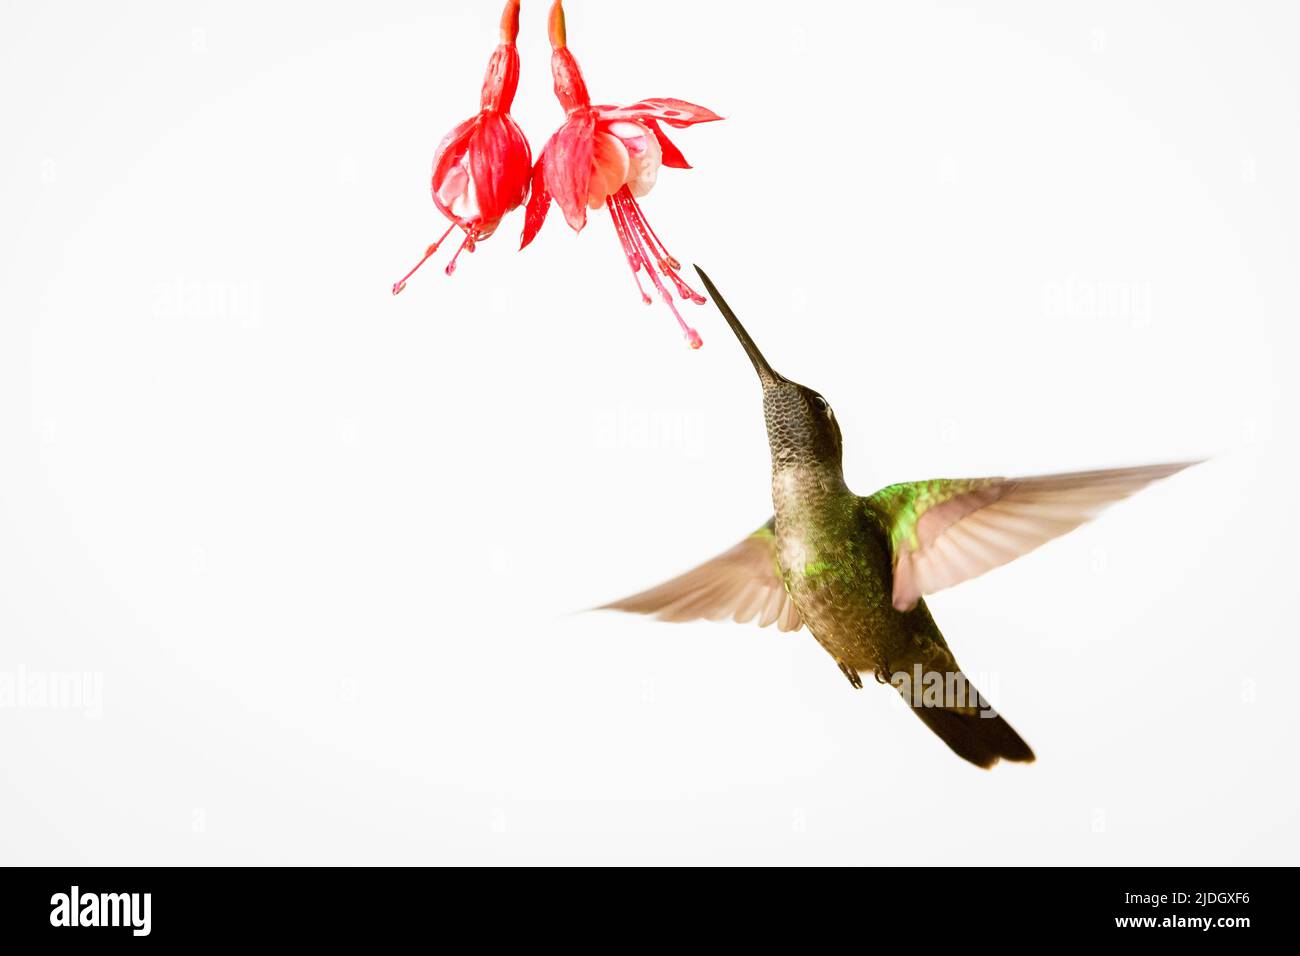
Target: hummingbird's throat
797	482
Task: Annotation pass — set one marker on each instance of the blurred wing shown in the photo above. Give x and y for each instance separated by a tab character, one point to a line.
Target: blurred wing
947	531
743	584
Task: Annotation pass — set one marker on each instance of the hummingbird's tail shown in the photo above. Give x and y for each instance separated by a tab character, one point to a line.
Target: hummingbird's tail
975	733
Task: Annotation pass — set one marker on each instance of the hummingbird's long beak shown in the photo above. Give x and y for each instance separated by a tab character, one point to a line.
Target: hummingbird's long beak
765	373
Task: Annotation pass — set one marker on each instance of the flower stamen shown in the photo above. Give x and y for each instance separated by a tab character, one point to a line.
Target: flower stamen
633	257
668	263
400	284
467	245
692	337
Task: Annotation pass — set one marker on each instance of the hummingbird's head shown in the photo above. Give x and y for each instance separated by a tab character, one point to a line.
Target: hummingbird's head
801	427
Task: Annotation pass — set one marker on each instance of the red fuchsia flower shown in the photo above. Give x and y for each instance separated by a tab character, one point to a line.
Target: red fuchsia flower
481	168
610	156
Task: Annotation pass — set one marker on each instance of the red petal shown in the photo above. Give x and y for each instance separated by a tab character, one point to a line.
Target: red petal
567	165
676	113
672	157
446	157
484	146
457	135
539	203
500	162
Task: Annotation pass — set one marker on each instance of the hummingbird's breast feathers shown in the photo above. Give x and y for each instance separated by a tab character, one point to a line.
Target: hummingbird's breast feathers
835	564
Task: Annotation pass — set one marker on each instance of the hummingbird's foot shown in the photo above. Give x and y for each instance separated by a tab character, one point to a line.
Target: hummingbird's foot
881	673
854	677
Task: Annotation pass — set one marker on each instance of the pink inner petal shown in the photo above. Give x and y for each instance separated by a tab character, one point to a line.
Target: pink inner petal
609	162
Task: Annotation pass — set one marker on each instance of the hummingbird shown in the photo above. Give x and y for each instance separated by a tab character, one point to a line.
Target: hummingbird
854	570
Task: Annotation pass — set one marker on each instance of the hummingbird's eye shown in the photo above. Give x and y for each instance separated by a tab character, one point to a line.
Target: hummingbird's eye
823	404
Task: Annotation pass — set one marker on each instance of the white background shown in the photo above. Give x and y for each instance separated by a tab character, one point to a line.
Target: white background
327	549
